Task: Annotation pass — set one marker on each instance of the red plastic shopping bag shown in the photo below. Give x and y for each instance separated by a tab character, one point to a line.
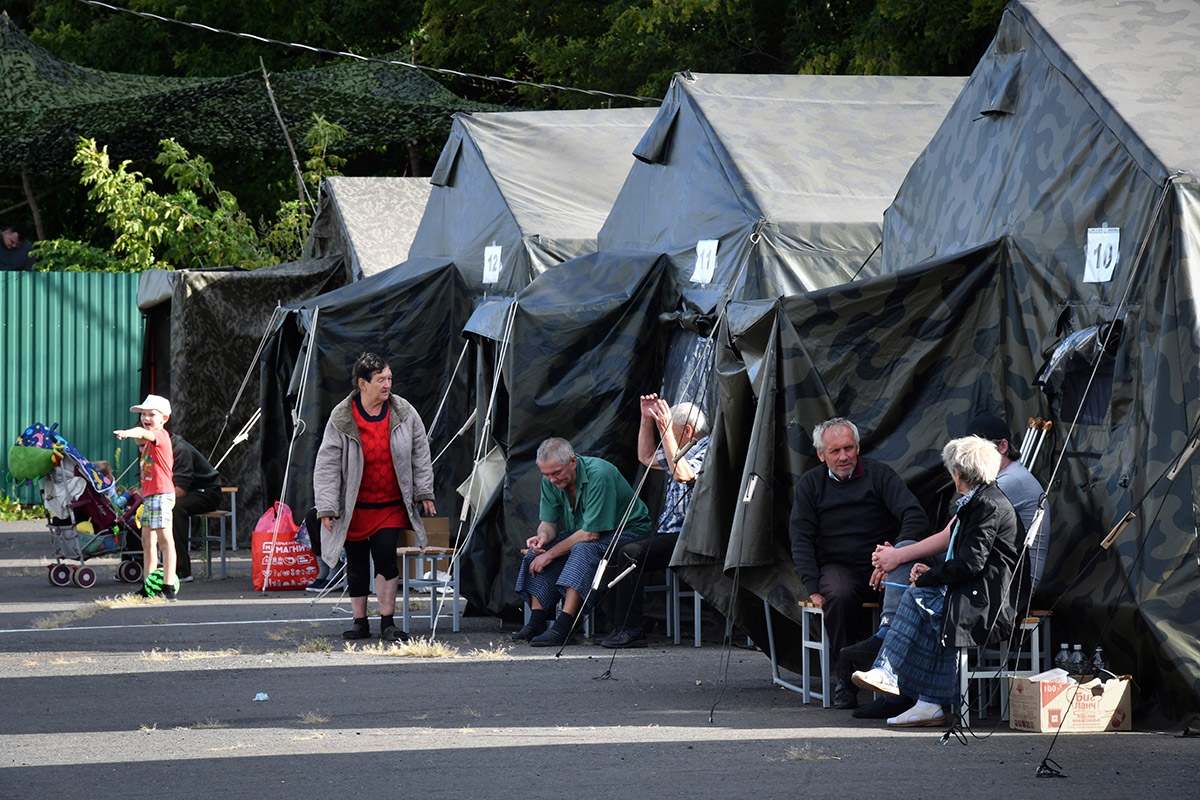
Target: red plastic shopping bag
278	560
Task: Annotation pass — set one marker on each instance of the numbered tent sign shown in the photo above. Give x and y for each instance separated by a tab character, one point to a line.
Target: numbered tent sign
491	263
1103	250
706	261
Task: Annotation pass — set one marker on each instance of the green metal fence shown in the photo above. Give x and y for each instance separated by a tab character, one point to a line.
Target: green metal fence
72	355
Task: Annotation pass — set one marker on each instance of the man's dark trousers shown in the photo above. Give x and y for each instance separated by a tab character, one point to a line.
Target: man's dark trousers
845	589
194	502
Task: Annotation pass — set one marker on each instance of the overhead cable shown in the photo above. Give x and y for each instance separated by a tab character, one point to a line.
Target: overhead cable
372	59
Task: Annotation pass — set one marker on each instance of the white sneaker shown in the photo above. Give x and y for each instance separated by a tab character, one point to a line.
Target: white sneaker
186	579
876	680
922	715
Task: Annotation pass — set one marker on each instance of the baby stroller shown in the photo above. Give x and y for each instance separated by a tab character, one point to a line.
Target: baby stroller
85	515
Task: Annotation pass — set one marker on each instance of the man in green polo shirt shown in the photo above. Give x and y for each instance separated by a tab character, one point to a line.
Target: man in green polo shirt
583	502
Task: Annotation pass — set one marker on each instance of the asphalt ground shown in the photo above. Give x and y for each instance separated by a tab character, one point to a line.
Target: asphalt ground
101	697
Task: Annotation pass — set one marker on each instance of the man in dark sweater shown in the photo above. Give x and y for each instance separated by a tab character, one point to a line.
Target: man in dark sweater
842	510
197	491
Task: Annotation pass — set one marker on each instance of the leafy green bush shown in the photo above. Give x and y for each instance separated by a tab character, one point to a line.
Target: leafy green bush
198	226
11	510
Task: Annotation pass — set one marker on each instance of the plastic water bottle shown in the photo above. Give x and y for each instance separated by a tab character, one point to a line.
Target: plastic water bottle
1079	665
1062	659
1100	664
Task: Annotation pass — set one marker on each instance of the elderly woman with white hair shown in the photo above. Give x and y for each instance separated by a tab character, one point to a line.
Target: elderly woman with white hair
965	600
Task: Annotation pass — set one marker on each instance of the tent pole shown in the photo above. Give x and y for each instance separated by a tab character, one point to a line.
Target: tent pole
449	385
276	314
300	191
297	430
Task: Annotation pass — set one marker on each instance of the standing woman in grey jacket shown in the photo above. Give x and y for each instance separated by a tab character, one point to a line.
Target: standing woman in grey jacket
372	470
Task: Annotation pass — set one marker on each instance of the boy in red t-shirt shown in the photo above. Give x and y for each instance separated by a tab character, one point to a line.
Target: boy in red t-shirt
156	465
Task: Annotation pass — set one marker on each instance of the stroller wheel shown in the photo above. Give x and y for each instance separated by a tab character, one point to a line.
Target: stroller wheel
129	571
85	577
60	574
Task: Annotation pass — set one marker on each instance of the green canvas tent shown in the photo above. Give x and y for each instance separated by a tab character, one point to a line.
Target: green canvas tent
1073	143
794	200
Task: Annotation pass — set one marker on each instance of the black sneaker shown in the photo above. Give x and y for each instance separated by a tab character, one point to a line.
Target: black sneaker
169	593
527	633
845	695
623	638
552	637
883	707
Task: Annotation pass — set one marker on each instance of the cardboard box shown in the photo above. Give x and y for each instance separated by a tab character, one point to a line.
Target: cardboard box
1050	706
437	531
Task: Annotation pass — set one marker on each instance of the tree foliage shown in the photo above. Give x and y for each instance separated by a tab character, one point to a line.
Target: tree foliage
197	226
633	47
118	42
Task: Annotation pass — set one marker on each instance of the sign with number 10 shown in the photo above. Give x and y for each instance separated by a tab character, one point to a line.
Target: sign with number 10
1103	252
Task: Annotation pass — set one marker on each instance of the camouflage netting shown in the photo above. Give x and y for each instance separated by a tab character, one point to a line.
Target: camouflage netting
48	103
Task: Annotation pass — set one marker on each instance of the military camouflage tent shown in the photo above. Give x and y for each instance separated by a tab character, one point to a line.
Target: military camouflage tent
793	201
518	192
890	353
1053	216
535	187
1074	143
370	221
203	331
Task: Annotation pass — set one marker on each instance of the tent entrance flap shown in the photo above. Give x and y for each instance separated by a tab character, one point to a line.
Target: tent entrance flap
486	477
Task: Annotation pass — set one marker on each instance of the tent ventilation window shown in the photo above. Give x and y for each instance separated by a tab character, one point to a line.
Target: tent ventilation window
1066	374
1002	70
1003	76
